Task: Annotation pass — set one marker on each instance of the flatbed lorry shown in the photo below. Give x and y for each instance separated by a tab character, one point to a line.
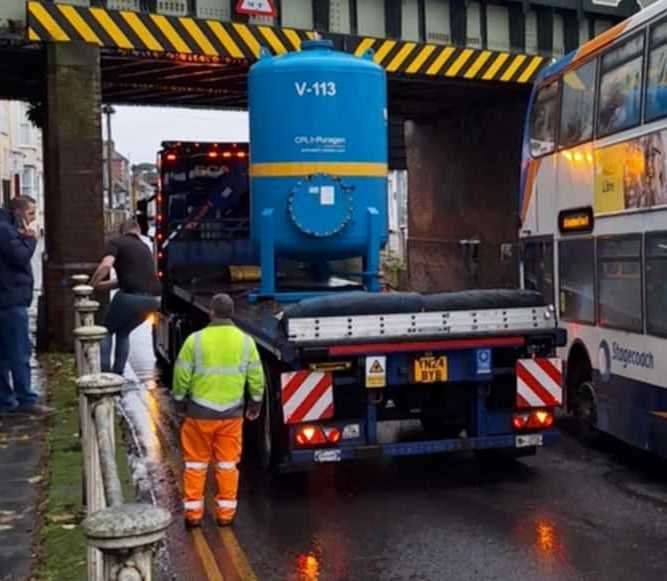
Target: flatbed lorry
351	374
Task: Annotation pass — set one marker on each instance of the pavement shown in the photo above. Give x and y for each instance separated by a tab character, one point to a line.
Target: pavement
22	449
575	511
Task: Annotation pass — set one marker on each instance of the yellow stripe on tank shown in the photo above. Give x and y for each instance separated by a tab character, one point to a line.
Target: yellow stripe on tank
298	169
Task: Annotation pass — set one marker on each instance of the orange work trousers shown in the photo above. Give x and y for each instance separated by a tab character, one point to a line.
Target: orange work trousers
204	441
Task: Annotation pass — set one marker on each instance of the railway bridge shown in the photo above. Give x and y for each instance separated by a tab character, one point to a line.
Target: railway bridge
459	78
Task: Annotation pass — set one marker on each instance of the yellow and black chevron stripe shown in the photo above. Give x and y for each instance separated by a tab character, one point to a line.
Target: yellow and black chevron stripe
157	33
431	60
213	39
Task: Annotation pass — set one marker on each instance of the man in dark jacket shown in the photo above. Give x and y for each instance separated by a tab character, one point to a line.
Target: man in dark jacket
17	245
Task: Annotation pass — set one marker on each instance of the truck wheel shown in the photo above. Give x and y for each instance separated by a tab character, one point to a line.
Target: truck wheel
267	440
266	437
159	358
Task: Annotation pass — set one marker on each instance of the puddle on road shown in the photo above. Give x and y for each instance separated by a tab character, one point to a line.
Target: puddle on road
307	567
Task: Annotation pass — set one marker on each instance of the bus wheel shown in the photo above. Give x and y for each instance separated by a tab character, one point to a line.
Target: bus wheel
585	408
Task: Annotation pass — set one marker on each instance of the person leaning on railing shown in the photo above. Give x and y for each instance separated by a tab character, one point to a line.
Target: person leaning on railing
138	295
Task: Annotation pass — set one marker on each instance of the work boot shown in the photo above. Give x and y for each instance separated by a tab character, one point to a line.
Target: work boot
224	522
35	409
192	523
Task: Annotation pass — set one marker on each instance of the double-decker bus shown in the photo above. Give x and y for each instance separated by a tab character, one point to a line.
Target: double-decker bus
594	223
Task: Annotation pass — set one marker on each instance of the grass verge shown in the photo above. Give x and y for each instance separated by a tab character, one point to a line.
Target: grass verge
62	545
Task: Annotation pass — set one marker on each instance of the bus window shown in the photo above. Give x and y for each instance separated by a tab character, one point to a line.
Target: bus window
576	268
620	283
656	283
538	267
577	102
620	87
543	121
656	91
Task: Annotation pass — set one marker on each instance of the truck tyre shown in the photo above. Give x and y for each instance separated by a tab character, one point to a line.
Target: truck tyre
267	440
160	360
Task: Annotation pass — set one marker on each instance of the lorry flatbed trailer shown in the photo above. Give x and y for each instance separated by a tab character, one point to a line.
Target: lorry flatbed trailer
482	347
474	370
274	327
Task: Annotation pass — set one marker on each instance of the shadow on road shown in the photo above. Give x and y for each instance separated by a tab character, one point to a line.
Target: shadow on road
633	471
390	476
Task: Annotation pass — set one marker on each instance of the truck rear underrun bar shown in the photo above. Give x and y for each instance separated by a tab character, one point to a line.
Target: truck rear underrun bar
368	452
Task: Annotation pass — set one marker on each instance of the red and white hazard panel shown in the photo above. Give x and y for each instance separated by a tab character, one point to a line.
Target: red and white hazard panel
539	382
307	396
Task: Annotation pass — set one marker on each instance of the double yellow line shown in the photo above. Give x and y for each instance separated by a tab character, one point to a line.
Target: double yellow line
239	560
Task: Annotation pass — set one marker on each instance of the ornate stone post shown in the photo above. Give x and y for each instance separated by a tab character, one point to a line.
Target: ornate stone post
90	338
127	536
96	392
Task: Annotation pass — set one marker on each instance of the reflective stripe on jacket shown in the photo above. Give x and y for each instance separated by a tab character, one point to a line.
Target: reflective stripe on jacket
214	366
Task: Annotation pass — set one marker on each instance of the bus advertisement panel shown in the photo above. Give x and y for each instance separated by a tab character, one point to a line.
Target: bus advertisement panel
632	174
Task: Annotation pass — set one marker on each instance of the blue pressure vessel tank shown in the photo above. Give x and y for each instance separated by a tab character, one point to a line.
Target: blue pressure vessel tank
318	158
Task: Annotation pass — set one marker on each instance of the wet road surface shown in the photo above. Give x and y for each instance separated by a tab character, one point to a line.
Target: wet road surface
574	511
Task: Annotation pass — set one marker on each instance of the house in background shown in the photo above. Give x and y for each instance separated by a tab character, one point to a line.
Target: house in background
21	162
121	179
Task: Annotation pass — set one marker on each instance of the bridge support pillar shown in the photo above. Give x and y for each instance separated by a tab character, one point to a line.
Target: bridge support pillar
74	212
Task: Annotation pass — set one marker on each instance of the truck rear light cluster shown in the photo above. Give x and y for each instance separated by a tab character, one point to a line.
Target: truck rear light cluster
213	154
534	420
314	435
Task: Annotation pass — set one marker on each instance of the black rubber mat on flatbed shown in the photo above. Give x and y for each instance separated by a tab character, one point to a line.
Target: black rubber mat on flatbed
362	303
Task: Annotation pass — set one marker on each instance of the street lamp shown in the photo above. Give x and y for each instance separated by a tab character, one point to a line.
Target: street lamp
108	110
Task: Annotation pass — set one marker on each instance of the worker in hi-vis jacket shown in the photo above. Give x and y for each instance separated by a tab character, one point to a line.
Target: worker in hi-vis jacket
212	371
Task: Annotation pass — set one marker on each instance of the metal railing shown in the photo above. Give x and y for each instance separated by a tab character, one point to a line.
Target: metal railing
121	536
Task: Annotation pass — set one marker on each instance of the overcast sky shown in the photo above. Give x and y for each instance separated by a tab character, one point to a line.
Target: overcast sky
139	131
